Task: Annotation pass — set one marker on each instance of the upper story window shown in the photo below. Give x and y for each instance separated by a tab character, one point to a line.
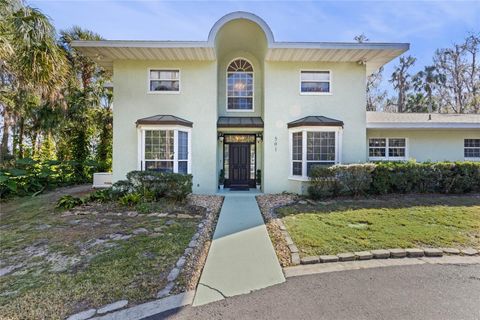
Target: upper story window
471	149
387	149
161	80
240	86
315	82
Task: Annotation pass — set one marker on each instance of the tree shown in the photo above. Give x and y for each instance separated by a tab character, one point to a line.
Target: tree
31	61
375	96
425	82
401	80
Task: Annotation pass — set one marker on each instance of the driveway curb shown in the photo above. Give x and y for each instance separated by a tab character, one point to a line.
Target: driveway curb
308	269
151	308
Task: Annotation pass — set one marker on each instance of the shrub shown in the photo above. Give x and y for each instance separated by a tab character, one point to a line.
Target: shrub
101	196
121	188
355	178
156	185
395	177
27	176
131	199
68	202
323	183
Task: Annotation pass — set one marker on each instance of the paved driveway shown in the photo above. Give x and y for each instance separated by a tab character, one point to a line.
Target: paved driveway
407	292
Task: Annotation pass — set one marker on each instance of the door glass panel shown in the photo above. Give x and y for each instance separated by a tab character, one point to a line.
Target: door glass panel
252	161
239	138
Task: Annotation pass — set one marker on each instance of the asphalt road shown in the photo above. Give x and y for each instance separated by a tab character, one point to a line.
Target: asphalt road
406	292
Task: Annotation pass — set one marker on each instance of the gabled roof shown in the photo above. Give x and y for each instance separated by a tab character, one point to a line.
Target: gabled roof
240	122
373	55
392	120
315	121
165	120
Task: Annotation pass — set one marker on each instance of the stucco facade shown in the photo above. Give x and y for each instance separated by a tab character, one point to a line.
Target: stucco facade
278	126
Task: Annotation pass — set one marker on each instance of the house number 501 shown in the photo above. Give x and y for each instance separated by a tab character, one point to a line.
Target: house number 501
275	143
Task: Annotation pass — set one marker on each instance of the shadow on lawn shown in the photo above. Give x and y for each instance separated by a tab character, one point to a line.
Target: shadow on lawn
396	201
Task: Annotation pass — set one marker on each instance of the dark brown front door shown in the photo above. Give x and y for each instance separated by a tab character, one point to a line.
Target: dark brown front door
239	164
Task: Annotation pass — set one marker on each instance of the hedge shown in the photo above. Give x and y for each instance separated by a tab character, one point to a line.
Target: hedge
153	185
394	177
27	176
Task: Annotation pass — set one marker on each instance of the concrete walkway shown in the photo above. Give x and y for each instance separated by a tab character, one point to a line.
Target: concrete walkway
241	257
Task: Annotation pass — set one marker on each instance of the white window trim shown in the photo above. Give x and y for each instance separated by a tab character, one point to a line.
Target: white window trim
141	145
388	158
164	69
329	93
253	86
338	148
470	158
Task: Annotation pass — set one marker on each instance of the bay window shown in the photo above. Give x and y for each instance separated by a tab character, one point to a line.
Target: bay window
165	149
315	146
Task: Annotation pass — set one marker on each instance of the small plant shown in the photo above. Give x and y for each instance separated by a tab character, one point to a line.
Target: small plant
68	202
130	200
258	177
101	196
221	177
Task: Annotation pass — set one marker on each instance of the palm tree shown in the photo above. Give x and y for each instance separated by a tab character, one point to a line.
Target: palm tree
31	57
427	80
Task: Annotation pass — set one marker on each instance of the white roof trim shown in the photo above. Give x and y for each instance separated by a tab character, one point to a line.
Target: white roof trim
240	15
422	125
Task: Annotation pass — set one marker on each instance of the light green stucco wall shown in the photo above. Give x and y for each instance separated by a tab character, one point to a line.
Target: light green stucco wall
196	102
430	145
284	103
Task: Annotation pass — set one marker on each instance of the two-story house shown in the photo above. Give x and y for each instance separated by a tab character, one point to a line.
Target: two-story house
243	102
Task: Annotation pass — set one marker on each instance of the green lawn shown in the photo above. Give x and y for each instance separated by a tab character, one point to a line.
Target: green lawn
390	222
69	264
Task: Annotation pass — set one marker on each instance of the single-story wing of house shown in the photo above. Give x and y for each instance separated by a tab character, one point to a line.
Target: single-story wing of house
256	109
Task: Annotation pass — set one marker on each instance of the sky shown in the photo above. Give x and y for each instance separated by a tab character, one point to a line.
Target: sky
426	25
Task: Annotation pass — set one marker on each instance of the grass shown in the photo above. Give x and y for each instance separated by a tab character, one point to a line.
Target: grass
389	222
63	272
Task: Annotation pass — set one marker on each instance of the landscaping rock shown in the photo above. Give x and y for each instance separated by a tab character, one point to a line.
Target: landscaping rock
398	253
363	255
173	274
8	269
195	236
112	306
451	251
140	231
469	252
433	252
328	258
348	256
302	202
188	251
165	291
159	229
169	222
414	252
295	259
192	244
380	254
184	216
180	262
293	248
288	240
132	214
155	234
310	260
83	315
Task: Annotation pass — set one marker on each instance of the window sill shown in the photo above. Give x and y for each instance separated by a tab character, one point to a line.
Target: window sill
386	159
316	93
472	159
298	178
163	92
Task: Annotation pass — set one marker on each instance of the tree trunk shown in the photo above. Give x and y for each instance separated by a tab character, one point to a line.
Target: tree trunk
5	134
21	132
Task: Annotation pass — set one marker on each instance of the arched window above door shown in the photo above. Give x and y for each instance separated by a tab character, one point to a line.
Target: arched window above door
240	85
